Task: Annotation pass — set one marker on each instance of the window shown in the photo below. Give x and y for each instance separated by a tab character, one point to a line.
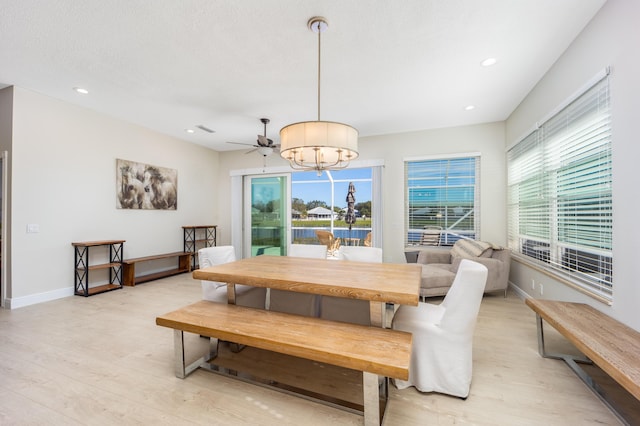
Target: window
307	187
442	194
559	192
319	202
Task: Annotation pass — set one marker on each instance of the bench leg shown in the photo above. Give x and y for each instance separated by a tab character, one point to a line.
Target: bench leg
231	300
377	314
543	352
375	392
572	361
129	274
182	370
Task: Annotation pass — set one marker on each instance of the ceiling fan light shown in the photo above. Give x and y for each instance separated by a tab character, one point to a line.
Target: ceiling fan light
265	150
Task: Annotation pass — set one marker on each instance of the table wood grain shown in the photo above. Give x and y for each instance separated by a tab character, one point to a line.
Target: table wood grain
376	282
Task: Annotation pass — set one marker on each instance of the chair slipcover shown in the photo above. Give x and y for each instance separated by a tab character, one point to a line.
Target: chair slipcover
253	297
350	310
308	250
441	356
360	254
298	303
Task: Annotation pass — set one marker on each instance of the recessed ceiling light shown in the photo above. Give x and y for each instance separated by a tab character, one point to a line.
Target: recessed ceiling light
469	107
488	62
81	90
189	130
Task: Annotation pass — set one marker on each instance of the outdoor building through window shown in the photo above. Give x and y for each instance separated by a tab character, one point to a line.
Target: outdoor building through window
559	192
441	200
320	203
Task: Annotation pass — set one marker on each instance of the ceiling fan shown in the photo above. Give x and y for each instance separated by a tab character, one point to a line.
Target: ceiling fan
263	145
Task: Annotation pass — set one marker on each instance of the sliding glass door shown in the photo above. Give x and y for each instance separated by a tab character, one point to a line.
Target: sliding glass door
266	215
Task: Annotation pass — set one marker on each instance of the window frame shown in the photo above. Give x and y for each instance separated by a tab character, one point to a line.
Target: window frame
559	192
450	236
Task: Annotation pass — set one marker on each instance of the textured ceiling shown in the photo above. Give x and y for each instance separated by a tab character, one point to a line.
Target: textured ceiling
387	66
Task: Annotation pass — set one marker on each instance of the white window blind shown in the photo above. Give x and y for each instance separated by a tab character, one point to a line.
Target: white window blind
442	194
559	192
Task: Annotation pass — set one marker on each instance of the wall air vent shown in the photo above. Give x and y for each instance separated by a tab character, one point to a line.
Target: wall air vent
205	128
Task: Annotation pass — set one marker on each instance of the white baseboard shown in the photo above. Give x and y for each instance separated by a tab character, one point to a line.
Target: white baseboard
32	299
520	292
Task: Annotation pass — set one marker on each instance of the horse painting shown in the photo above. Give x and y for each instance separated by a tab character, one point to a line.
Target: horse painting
162	190
145	187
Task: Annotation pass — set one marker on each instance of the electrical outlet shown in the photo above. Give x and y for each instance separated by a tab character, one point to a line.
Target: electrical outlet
541	290
33	228
533	284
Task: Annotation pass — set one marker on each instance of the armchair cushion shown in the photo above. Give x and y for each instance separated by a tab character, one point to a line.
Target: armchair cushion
470	248
435	255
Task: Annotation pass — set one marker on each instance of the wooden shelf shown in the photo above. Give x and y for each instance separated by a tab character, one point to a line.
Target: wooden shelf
197	237
101	289
97	243
82	267
101	266
162	274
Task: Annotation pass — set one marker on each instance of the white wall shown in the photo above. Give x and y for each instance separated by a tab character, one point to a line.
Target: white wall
484	138
488	139
64	180
610	39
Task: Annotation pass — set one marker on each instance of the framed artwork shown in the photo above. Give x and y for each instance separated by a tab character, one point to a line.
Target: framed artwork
146	187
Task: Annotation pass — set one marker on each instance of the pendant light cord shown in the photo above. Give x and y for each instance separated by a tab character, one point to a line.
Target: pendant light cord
319	32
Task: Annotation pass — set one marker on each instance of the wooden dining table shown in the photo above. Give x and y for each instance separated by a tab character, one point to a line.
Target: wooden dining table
378	283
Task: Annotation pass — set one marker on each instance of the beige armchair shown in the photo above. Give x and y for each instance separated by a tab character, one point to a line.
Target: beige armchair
440	264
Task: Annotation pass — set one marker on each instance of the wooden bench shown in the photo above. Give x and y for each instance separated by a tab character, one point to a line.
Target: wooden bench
129	267
372	350
611	345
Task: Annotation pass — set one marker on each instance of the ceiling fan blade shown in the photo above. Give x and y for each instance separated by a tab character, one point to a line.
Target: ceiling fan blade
263	141
251	150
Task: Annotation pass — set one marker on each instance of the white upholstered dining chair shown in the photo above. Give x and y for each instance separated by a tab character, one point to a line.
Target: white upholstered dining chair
344	309
441	355
292	302
308	250
253	297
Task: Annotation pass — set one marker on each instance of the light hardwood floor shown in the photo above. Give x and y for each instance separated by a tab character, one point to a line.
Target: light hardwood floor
102	360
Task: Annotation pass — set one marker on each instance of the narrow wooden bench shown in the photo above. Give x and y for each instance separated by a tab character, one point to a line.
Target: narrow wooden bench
372	350
608	343
129	267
